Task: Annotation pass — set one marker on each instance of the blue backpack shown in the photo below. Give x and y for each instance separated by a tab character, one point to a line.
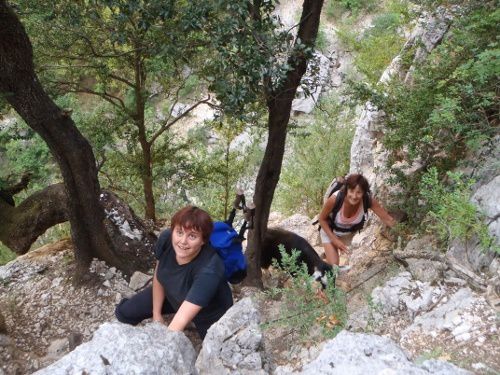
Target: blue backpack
227	243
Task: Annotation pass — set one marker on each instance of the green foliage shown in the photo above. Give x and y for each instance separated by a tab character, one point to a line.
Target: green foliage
321	40
6	255
435	353
248	49
53	234
131	56
220	166
318	152
450	215
304	306
375	48
375	53
23	151
374	313
335	7
453	104
447	112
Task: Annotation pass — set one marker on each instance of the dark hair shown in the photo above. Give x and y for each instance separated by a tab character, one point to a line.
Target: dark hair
191	217
357	179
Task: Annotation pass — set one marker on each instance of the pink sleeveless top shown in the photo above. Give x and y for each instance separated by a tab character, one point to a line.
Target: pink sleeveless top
344	222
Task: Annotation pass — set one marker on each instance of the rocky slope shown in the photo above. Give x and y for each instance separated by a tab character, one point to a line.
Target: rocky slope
412	308
48	317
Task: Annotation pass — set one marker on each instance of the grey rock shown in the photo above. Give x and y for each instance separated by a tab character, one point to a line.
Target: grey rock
138	280
368	156
436	367
4	340
426	270
233	345
313	80
487	198
74	339
470	255
123	349
358	353
57	348
457	314
403	293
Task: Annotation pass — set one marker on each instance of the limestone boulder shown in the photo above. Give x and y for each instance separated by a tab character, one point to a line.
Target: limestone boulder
233	345
118	348
359	353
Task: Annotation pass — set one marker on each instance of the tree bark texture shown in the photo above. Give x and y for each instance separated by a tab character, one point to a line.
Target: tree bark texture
21	88
20	226
279	103
140	122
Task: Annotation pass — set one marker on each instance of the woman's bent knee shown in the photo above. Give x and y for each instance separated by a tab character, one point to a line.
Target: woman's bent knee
121	313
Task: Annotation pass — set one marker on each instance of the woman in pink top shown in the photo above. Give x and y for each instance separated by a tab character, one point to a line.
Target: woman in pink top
337	232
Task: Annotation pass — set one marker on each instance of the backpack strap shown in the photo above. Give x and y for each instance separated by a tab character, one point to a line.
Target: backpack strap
339	200
367	203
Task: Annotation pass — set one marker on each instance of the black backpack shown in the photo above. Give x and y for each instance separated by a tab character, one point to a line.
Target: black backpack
338	184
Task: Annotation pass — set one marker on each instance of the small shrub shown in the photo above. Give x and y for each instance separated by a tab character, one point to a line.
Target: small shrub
53	234
354	6
6	255
321	40
450	213
374	310
435	353
320	151
304	306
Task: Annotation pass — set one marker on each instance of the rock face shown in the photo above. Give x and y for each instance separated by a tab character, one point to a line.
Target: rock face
463	313
312	82
358	353
233	345
122	349
403	293
367	152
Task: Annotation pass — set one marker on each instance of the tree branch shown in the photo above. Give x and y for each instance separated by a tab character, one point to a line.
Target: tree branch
170	124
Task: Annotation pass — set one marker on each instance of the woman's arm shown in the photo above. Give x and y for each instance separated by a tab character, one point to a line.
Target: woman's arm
382	213
158	297
184	315
323	221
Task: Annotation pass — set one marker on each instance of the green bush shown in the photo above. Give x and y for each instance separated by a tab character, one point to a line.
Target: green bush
452	106
303	306
319	152
375	48
450	213
321	40
447	112
376	52
6	255
333	8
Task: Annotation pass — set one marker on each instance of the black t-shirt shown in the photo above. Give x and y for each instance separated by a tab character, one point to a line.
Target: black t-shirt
200	281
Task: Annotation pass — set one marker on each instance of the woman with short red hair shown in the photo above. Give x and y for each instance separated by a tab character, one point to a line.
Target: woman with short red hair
188	278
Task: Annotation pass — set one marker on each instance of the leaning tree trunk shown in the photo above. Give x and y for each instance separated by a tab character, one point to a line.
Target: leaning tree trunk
20	226
279	105
21	88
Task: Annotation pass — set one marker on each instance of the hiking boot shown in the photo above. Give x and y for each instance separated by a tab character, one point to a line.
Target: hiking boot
344	269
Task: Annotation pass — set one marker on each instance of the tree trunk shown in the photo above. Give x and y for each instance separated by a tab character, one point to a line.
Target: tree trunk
21	88
146	146
279	106
147	182
21	226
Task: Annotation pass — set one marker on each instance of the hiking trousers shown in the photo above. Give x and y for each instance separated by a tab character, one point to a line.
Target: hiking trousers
140	307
